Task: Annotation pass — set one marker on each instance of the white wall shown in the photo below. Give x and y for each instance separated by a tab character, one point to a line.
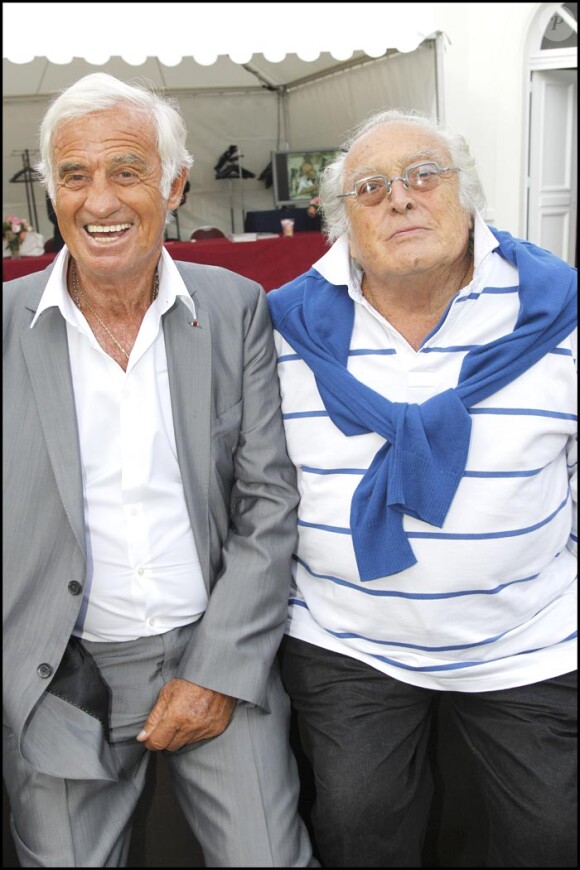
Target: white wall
484	81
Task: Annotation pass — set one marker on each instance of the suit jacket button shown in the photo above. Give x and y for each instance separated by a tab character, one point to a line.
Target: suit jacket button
44	670
74	587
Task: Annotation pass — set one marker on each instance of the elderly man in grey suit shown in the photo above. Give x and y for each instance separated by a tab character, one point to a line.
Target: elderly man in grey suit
149	512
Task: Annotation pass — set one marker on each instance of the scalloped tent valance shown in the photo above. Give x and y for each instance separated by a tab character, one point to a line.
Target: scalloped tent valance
201	45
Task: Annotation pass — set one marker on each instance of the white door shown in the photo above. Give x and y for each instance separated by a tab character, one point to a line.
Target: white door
552	196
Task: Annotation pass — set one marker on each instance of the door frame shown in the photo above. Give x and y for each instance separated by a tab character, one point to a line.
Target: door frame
535	59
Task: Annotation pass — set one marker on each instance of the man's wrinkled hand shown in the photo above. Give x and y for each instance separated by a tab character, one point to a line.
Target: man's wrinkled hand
185	713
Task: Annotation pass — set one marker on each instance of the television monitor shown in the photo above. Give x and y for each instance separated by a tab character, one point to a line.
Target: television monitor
296	174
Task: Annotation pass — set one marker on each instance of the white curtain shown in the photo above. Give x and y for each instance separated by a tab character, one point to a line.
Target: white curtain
322	113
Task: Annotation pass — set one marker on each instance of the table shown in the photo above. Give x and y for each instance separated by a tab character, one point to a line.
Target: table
269	221
270	262
12	268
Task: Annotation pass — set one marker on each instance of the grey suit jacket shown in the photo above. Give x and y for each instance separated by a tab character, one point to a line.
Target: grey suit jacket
239	485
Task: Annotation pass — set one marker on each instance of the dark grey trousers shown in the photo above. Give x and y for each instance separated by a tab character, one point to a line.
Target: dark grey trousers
366	736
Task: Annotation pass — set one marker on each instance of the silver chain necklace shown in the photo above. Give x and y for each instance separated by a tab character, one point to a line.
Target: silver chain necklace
77	292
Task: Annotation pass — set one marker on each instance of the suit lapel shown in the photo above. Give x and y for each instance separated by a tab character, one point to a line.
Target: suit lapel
45	350
189	367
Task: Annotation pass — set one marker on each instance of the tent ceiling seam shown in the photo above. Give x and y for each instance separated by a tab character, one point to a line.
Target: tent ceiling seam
43	74
262	78
161	73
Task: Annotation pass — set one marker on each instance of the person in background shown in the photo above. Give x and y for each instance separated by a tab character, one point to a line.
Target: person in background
149	515
428	372
313	207
307	182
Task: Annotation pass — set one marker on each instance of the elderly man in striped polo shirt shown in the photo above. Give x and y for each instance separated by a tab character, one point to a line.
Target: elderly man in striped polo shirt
428	379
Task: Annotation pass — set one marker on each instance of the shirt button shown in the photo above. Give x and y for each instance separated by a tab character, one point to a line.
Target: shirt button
44	670
151	621
140	571
74	587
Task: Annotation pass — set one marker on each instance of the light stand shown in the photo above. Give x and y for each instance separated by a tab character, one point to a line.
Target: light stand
230	166
27	176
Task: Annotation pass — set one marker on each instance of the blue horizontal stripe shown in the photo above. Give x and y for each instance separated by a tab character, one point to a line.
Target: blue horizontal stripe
529	473
483	536
295	414
416	596
453	348
491	291
338	530
521	412
451	666
458	348
448	648
450	536
311	470
460	665
386	351
524	412
345	635
469	298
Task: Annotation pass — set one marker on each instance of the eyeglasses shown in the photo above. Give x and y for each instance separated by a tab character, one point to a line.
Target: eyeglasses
419	176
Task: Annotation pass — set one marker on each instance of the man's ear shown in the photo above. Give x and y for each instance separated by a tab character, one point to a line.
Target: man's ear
176	190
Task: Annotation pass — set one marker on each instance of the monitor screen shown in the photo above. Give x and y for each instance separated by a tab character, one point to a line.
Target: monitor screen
296	174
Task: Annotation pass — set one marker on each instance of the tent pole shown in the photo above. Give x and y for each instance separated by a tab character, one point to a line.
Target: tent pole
439	83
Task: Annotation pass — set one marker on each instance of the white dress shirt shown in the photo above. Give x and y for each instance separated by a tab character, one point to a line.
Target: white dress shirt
143	571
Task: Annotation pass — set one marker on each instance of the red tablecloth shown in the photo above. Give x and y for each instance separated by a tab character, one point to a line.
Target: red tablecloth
271	262
24	265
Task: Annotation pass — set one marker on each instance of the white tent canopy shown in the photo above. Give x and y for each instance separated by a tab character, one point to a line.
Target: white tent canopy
264	76
204	43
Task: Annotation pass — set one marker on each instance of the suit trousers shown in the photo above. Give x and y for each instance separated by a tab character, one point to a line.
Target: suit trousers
238	791
367	734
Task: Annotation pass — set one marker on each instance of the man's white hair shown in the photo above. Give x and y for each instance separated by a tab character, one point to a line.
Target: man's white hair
335	215
99	92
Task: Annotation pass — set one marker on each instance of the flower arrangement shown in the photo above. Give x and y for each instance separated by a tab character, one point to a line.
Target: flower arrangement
313	206
14	231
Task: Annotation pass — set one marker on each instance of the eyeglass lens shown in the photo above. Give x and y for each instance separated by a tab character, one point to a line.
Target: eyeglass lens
371	191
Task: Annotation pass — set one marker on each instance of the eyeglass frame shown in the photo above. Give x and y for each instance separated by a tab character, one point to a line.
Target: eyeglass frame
404	178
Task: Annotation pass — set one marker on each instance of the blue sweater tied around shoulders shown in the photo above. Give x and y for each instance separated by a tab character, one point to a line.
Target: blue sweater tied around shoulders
418	469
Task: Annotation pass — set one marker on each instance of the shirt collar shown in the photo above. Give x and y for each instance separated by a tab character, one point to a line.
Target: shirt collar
338	268
55	294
